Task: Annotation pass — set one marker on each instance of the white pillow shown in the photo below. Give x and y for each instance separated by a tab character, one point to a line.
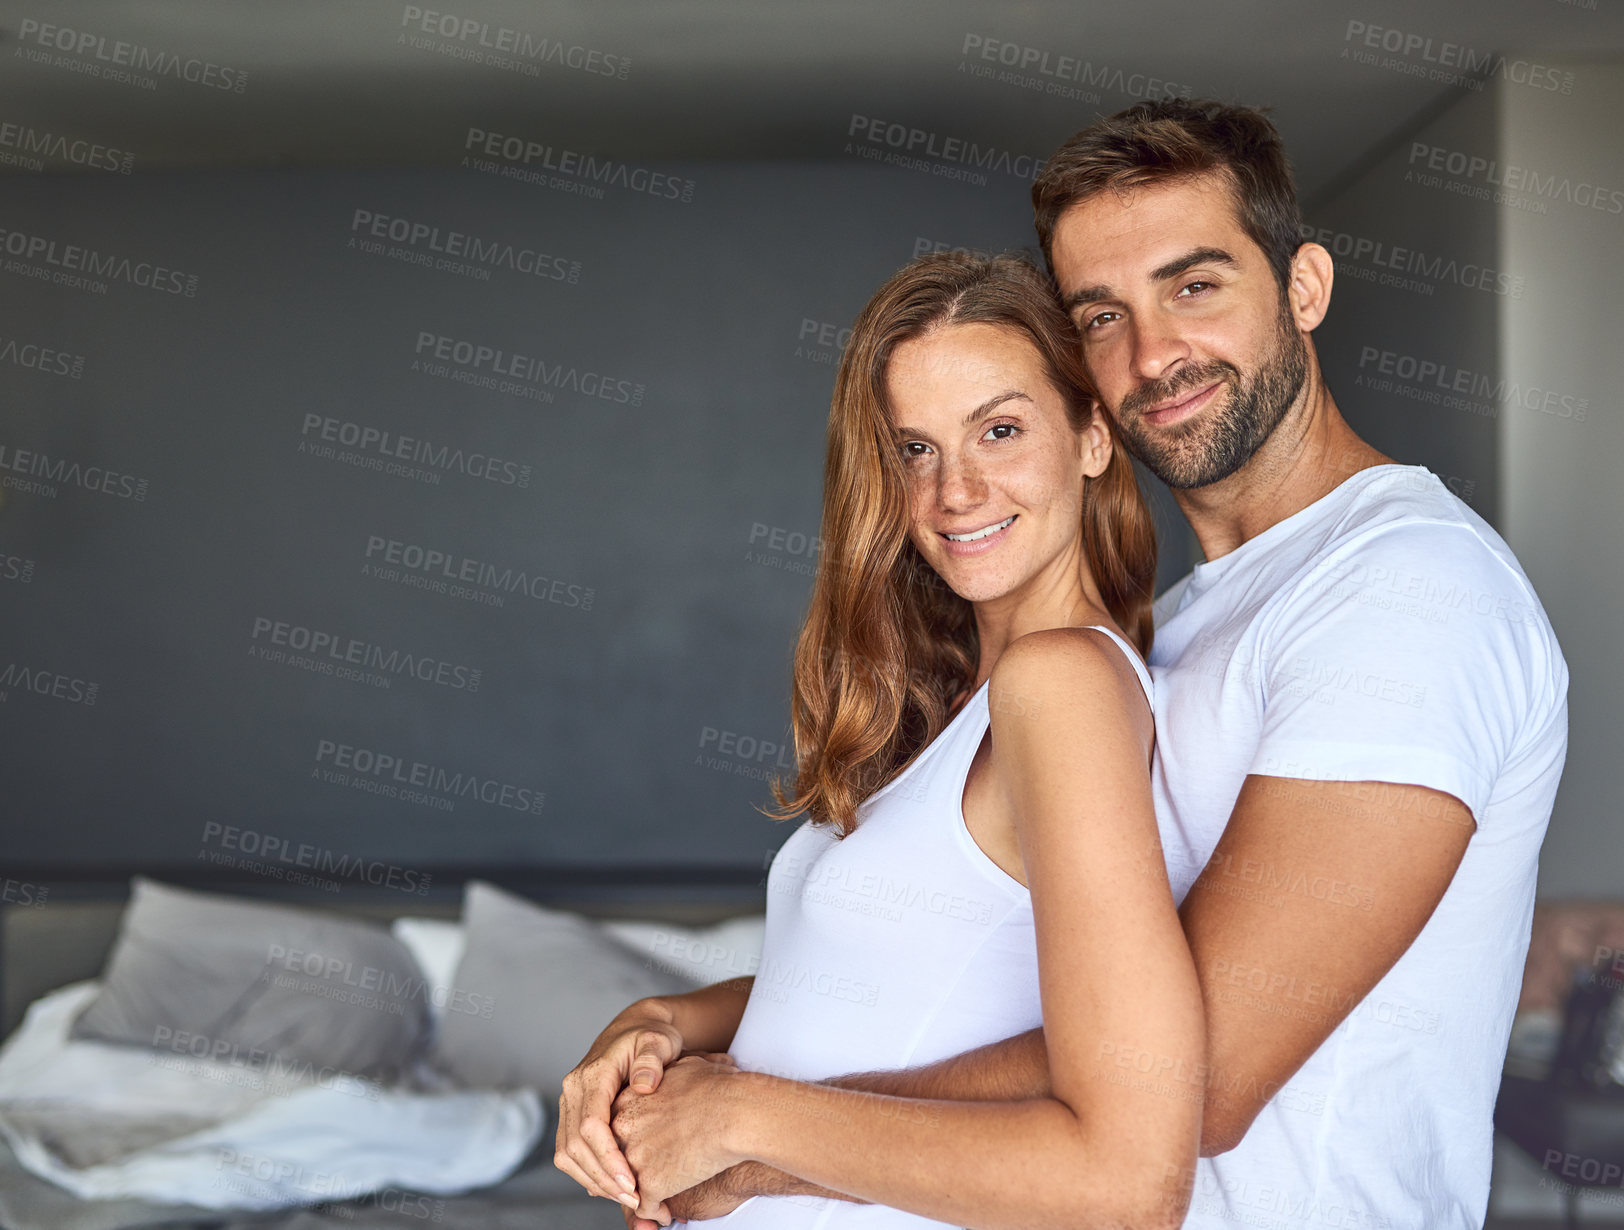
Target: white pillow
534	987
436	945
704	955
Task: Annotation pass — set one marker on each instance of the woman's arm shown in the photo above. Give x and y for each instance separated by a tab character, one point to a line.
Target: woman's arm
1115	1142
707	1018
633	1051
1001	1071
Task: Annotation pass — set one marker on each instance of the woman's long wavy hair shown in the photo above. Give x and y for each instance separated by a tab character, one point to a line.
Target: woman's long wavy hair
887	646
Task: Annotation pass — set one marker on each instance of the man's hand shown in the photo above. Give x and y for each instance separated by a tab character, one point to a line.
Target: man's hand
631	1053
715	1197
673	1136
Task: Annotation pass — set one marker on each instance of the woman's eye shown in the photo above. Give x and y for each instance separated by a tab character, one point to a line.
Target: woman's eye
914	449
1009	429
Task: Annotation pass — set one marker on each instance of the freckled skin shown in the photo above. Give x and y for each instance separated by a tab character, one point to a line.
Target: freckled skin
1021	459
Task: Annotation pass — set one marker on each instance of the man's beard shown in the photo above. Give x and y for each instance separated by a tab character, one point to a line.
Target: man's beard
1206	449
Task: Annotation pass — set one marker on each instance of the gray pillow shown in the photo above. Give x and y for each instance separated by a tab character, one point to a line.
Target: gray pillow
268	987
533	989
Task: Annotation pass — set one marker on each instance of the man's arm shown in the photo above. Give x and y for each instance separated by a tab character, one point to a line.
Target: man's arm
1359	868
1313	884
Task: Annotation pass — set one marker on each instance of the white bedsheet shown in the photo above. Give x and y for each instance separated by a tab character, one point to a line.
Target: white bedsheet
105	1121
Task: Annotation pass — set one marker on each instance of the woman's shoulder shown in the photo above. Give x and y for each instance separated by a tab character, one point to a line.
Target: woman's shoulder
1061	671
1076	652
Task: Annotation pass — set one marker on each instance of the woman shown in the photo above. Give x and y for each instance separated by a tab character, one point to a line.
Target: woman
979	854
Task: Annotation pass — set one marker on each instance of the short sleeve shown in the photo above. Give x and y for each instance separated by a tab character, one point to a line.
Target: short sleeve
1412	655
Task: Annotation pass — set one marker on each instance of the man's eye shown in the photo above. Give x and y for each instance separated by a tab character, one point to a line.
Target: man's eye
1100	318
1198	287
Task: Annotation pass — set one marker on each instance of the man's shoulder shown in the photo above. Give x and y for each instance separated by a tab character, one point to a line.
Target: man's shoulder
1380	521
1404	529
1407	500
1412	571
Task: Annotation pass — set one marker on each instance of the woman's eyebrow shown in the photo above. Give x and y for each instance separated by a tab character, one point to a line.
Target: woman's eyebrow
992	403
981	411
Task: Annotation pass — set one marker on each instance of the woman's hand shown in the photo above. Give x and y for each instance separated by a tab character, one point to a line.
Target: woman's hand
674	1137
631	1053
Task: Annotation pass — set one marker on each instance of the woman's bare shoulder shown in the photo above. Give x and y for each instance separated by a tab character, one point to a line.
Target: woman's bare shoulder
1064	661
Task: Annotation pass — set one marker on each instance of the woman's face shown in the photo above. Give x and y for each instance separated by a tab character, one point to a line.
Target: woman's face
994	469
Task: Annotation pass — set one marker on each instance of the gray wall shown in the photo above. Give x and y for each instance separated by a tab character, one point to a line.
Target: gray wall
642	686
1504	180
1408	291
1563	437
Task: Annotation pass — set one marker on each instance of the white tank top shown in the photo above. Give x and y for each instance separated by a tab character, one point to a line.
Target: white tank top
899	945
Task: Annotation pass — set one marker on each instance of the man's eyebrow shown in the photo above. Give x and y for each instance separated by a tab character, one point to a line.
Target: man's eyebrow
981	411
1085	294
1172	269
1192	258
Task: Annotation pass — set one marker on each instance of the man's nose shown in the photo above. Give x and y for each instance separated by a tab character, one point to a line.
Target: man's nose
1157	348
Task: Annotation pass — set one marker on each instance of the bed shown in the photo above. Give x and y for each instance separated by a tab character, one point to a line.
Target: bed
69	942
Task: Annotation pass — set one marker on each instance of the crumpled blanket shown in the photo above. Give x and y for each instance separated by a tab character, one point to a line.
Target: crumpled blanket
106	1121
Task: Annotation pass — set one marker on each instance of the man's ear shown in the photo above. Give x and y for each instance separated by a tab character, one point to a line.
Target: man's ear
1309	289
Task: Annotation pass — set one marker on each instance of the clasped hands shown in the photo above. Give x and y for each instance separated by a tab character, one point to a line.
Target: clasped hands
640	1122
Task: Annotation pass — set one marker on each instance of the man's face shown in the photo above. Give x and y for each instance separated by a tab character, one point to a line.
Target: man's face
1184	329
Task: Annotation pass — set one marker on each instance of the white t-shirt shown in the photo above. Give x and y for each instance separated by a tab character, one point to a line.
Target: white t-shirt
1385	633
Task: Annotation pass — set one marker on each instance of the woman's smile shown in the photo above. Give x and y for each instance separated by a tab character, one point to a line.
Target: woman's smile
978	541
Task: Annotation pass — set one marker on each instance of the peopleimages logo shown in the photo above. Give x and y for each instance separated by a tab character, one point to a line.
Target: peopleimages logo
17	568
954	157
1438	380
41	358
49	470
33	146
376	448
493	367
1481	174
397	775
525	159
252	850
1036	69
43	682
417	242
327	652
110	58
1420	55
430	568
1372	260
71	259
502	46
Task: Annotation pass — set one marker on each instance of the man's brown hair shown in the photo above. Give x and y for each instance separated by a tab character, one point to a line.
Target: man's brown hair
1166	139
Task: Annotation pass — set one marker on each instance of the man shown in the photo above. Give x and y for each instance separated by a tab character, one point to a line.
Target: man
1360	704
